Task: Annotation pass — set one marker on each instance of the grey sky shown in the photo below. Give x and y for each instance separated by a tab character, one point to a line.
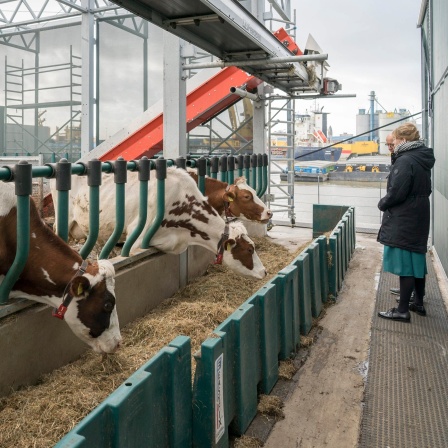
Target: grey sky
372	45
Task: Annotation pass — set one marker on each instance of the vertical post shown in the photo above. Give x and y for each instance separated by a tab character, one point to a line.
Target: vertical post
142	166
87	94
253	165
119	169
24	188
174	99
214	166
372	113
240	165
94	182
223	168
174	107
247	167
202	169
161	176
259	175
231	169
63	186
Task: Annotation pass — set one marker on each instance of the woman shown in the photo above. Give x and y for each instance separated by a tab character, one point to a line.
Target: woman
405	226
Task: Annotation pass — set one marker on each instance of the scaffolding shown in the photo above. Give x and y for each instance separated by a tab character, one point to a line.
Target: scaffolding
22	82
280	195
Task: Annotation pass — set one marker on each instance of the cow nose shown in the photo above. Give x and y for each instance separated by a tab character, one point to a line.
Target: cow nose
269	214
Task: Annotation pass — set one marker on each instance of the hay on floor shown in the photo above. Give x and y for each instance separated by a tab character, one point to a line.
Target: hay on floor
39	416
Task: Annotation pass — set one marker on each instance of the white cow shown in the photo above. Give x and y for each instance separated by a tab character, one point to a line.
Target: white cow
189	219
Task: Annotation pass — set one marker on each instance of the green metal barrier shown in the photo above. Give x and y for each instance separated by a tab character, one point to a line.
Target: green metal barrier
242	366
333	265
303	264
345	225
287	283
316	299
210	389
152	408
266	308
338	234
323	270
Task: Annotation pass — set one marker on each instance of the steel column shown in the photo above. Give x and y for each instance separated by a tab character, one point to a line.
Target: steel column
88	79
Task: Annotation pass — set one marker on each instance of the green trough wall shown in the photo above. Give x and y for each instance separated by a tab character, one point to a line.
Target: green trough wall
158	406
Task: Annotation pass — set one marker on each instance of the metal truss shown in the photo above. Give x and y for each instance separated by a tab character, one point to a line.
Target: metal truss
21	20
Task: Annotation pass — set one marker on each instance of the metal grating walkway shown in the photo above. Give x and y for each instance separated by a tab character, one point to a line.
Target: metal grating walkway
406	396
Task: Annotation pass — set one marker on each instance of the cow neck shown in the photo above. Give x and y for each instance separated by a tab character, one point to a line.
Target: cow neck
67	296
214	190
51	264
228	213
221	243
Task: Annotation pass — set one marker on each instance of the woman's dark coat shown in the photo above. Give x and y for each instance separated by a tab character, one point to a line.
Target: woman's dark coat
406	206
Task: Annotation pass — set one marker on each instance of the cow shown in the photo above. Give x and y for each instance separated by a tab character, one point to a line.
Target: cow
55	275
235	200
189	220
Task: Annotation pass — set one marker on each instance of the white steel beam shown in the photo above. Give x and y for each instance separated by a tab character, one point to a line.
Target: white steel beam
88	80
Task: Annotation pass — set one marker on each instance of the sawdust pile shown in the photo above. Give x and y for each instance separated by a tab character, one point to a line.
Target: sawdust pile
39	416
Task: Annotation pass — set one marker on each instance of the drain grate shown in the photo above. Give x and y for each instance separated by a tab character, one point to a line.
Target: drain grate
406	392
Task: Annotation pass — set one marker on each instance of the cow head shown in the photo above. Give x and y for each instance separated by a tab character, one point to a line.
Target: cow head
244	202
239	253
92	314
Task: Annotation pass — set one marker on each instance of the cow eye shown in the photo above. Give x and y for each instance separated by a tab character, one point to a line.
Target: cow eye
108	306
251	250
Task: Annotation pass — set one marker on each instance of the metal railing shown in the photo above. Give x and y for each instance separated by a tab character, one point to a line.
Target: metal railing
362	195
254	167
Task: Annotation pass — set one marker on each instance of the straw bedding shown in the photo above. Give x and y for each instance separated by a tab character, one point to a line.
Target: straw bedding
40	415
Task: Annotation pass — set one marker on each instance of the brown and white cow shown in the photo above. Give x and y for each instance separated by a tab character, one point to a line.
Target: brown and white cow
54	272
237	200
189	220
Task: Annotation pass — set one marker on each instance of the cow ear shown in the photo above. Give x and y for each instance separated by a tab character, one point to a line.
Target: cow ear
79	286
228	245
228	196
